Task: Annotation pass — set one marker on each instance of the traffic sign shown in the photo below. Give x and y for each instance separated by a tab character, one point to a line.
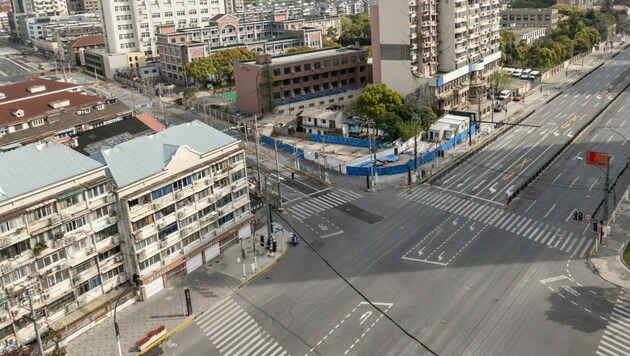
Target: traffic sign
587	217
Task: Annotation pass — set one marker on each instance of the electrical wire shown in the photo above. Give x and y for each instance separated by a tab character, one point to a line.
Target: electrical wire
365	298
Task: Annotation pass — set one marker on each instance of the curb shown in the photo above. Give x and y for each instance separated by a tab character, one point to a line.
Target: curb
299	171
166	336
264	269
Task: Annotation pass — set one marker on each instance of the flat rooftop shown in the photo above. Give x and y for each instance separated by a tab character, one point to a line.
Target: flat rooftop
309	55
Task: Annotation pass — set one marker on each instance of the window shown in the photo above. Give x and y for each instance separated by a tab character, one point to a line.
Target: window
50	259
106	233
149	261
307	66
17	275
156	194
73	200
146	242
101	212
179	184
287	70
75	224
227	218
97	191
190	239
55	278
89	285
142	222
41	213
109	253
167	230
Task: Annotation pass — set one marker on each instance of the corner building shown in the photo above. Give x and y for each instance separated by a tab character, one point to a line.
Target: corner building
182	197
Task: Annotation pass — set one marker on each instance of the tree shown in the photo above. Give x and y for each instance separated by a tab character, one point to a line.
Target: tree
299	49
224	60
582	42
326	43
190	93
18	350
506	45
499	80
407	118
332	33
355	28
546	58
376	101
520	52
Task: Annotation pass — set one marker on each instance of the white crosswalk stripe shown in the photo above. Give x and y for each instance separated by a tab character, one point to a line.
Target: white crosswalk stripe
234	332
302	209
552	237
616	338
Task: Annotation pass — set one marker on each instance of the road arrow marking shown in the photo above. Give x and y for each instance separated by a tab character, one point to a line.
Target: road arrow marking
421	251
322	227
570	134
478	184
364	317
455	221
472	227
440	258
493	189
556	134
332	234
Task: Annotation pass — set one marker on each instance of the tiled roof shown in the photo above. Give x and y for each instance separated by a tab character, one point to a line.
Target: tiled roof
35	107
34	167
18	90
87	41
65	120
151	122
143	157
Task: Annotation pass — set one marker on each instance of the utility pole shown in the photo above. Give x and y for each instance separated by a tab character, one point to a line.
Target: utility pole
606	185
278	173
266	197
257	158
373	185
39	338
415	145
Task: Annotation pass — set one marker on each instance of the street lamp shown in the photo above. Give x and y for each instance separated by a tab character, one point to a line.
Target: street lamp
116	328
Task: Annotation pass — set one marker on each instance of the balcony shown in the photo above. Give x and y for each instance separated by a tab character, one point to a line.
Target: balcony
99	201
146	231
14	236
112	261
70	211
45	222
79	256
140	210
104	222
189	229
16	261
209	218
166	221
203	183
184	192
170	239
108	243
85	275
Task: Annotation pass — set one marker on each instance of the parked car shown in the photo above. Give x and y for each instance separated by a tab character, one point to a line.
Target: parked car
517	73
534	75
499	107
505	95
518	97
525	73
124	86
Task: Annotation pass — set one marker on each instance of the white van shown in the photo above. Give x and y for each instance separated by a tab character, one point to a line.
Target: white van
509	70
534	75
517	73
505	95
525	73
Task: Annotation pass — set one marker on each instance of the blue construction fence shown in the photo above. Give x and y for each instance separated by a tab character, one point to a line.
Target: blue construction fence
348	141
402	168
282	146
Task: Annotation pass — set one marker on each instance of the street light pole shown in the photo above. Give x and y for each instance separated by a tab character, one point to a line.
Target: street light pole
257	158
116	328
275	145
415	145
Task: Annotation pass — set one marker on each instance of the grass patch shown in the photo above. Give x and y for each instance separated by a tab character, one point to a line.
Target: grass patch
626	254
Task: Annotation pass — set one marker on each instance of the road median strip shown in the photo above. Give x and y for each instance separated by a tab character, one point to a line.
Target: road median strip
166	336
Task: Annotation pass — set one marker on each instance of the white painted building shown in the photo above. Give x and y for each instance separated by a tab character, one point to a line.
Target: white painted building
182	197
130	24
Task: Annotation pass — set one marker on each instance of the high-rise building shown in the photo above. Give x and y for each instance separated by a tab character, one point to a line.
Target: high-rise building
130	24
437	53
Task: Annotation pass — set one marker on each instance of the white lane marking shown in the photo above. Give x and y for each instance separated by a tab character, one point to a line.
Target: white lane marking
556	178
532	204
593	138
575	180
550	210
593	184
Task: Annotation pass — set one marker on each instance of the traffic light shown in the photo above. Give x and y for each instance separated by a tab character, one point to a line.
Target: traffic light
262	241
274	247
575	215
580	216
595	226
292	175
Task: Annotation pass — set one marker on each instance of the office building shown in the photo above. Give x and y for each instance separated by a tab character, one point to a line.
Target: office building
293	82
182	198
527	18
436	52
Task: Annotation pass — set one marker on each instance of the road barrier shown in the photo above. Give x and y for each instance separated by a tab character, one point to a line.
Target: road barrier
524	185
282	146
347	141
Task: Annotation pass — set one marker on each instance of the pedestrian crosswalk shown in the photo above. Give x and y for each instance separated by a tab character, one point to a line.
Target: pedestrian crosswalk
316	204
552	237
234	332
616	338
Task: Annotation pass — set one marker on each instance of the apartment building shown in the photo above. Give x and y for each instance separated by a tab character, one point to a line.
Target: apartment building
59	239
84	6
24	9
178	48
321	121
436	52
41	110
579	3
300	80
182	198
527	18
130	24
106	64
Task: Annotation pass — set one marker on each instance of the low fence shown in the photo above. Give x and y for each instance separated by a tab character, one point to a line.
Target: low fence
347	141
282	146
403	168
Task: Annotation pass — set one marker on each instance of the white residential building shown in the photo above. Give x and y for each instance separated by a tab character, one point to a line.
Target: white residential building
130	24
436	52
182	197
58	237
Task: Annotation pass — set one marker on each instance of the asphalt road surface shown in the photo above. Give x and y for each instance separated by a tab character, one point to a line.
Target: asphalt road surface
499	169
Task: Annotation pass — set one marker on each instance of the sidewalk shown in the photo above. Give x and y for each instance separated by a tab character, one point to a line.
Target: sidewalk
208	284
607	261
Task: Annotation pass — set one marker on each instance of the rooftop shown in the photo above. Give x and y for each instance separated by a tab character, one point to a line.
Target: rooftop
108	136
34	167
19	90
142	157
92	40
308	55
319	113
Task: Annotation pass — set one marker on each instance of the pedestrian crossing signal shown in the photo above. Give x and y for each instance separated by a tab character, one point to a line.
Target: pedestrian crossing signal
575	215
595	226
580	216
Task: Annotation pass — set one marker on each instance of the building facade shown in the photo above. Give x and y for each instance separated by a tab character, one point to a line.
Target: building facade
436	52
182	198
268	82
130	25
58	237
107	64
527	18
578	3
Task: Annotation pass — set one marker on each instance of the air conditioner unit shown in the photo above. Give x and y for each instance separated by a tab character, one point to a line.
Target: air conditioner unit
179	195
79	112
161	225
55	219
111	220
122	278
4	319
46	296
181	214
119	258
71	307
208	182
90	250
116	239
111	198
66	215
156	205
